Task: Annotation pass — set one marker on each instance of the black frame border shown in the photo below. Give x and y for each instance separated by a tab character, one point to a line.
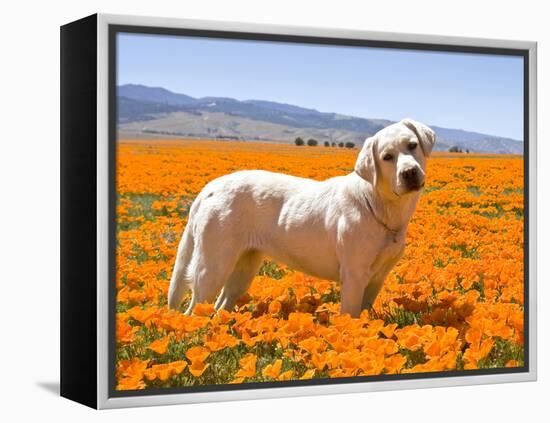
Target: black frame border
78	211
115	29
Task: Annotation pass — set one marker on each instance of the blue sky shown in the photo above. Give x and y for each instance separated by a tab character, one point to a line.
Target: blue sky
474	92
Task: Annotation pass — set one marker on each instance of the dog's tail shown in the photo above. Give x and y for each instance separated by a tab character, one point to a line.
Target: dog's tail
180	281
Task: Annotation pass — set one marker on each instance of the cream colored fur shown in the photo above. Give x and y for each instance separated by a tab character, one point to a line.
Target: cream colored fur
348	228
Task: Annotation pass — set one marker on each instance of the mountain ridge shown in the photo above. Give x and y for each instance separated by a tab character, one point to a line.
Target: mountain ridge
150	110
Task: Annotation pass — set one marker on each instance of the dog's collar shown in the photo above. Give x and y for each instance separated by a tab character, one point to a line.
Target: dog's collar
394	232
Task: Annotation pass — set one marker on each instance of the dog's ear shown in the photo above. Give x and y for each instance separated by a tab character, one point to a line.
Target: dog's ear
365	166
425	135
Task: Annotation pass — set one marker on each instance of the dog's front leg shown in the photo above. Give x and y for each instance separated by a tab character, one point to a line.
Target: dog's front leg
351	292
377	281
356	269
371	291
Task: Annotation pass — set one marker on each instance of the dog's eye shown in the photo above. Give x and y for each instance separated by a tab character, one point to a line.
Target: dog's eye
412	146
387	157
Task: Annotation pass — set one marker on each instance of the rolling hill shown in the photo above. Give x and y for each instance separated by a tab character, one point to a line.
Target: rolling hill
156	112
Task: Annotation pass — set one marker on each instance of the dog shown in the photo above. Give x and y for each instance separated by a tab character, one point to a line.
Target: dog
349	229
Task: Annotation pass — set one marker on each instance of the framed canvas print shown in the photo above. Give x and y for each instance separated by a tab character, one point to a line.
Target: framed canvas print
253	211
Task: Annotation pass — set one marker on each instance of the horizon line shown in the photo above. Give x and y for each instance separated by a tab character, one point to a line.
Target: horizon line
314	109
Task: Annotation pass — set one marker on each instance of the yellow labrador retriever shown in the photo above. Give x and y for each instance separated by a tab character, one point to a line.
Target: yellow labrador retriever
348	228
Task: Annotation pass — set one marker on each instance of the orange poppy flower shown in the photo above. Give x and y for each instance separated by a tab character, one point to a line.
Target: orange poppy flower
204	309
197	354
273	370
248	366
308	374
286	375
160	345
197	368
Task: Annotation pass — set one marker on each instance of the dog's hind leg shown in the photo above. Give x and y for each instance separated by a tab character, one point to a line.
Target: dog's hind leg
179	282
209	272
238	282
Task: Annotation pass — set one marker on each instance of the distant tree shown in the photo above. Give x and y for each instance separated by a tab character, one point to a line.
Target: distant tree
333	144
467	151
340	144
299	141
327	144
350	145
455	149
311	142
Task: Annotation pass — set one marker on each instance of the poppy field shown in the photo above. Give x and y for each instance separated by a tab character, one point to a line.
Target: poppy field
455	301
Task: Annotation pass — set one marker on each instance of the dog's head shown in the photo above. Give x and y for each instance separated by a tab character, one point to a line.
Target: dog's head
394	159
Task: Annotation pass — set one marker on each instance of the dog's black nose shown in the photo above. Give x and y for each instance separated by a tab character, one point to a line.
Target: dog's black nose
410	174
